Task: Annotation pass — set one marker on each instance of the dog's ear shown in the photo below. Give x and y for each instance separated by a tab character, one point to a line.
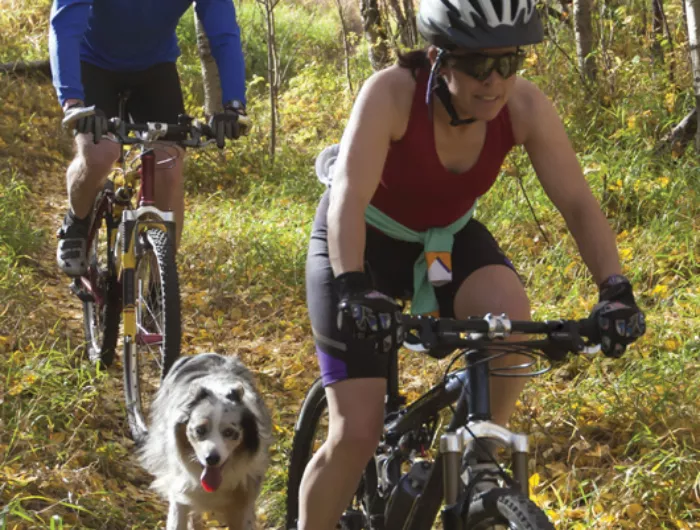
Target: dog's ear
235	393
198	394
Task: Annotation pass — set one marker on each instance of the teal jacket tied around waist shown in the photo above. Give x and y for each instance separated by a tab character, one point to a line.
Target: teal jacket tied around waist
434	240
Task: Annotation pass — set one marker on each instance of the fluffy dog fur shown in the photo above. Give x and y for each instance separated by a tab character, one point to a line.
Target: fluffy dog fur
208	426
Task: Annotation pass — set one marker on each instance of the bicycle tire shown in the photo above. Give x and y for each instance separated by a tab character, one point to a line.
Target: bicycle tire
101	315
505	507
305	429
145	369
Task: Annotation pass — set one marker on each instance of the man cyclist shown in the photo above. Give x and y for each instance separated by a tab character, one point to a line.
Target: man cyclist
424	140
101	49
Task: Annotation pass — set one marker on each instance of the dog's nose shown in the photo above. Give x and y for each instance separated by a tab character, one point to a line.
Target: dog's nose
213	459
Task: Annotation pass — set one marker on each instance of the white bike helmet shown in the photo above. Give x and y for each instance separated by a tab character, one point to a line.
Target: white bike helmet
472	24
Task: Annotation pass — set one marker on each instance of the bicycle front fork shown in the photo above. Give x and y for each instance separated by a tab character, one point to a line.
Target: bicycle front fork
453	445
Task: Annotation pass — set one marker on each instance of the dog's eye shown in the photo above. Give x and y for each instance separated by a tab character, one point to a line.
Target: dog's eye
230	433
201	430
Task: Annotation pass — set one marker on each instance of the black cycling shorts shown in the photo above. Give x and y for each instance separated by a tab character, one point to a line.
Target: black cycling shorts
389	264
155	94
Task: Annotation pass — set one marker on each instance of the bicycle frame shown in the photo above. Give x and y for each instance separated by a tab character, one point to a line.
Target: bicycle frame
125	224
469	388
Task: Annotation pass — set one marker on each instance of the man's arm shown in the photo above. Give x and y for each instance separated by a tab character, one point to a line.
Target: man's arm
69	19
559	171
219	20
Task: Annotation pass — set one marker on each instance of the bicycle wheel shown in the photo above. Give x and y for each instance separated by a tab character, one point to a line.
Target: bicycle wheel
503	509
310	431
102	312
158	329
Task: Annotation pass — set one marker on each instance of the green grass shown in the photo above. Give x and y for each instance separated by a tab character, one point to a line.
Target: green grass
24	30
19	240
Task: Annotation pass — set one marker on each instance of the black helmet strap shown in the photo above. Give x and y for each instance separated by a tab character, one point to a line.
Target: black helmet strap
437	84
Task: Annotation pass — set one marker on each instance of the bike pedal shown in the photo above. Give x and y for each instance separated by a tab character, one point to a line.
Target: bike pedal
78	290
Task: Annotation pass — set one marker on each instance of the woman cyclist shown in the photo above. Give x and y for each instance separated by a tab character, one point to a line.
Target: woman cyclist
424	140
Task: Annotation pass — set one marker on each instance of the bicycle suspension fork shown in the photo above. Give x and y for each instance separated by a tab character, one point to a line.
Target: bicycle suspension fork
475	401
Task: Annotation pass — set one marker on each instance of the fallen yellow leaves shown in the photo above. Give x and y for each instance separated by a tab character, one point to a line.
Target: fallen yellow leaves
660	289
634	510
27	380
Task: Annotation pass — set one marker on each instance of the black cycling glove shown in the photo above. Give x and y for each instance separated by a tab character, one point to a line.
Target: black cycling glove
86	120
366	314
620	322
231	123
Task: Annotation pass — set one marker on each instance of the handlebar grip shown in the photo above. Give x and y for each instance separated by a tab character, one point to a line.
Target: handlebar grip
589	328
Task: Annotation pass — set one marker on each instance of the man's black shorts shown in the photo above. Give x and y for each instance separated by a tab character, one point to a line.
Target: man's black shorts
155	94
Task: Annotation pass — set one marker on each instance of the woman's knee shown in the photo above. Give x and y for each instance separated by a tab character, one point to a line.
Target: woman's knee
356	408
353	445
492	289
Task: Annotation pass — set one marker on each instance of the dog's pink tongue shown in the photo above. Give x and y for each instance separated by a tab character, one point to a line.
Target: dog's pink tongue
211	478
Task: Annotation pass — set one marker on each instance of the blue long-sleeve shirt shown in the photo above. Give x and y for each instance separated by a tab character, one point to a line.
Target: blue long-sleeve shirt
132	35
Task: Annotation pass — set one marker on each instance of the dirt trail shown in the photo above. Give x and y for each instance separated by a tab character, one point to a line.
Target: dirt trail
37	151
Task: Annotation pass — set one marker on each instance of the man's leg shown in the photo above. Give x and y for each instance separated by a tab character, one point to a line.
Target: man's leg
85	177
169	185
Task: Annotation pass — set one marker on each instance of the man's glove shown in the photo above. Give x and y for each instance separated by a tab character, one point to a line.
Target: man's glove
368	315
620	322
86	120
232	123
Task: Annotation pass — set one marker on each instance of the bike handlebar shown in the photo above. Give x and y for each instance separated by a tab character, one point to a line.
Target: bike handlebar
562	336
199	134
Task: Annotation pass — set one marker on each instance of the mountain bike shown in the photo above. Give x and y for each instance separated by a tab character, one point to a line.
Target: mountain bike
403	487
131	266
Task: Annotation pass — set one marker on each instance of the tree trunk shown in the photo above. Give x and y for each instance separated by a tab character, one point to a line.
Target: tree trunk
692	13
584	40
346	44
657	29
401	24
375	34
272	71
210	73
411	22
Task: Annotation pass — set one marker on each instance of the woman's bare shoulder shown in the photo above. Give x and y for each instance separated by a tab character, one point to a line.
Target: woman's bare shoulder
525	104
393	86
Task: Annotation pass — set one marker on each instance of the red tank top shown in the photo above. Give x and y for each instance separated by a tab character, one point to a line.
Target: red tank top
416	190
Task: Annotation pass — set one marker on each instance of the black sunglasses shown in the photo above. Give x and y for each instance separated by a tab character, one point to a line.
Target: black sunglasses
480	66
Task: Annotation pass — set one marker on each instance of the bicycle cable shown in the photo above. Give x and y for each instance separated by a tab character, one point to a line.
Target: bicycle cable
506	349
